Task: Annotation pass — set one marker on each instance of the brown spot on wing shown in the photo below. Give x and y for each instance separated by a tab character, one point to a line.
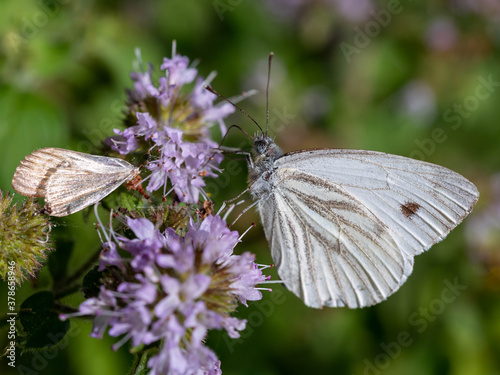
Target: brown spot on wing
409	209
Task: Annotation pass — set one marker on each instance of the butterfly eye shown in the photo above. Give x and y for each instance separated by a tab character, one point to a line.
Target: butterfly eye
260	146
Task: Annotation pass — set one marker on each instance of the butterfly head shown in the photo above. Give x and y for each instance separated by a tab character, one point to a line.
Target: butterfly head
265	152
265	148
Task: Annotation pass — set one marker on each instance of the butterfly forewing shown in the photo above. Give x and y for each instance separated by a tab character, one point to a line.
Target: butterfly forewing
69	180
390	185
344	225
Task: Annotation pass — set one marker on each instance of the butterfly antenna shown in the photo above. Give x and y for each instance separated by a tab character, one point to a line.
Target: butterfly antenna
209	88
237	127
267	90
222	141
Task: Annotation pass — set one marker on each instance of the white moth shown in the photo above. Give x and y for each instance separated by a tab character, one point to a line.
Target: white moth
345	225
69	180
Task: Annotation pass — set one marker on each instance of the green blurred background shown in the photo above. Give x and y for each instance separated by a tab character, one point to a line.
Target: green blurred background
419	79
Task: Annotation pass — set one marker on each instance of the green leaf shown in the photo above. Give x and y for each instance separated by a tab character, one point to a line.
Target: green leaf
41	324
129	201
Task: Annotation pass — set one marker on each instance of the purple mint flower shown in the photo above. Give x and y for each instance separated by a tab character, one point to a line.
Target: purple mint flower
174	290
145	247
218	247
134	323
143	85
178	72
217	114
174	120
203	99
126	141
184	164
100	308
109	257
248	275
200	97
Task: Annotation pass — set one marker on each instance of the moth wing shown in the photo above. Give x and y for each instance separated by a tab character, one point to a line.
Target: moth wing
344	225
70	191
69	180
33	173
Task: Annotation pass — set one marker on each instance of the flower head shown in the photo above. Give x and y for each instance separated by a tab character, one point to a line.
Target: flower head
175	117
23	238
176	288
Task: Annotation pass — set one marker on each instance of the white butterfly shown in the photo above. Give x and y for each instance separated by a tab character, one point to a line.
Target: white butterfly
344	225
69	180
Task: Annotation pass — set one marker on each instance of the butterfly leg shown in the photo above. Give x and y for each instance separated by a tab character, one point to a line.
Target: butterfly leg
242	212
224	204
